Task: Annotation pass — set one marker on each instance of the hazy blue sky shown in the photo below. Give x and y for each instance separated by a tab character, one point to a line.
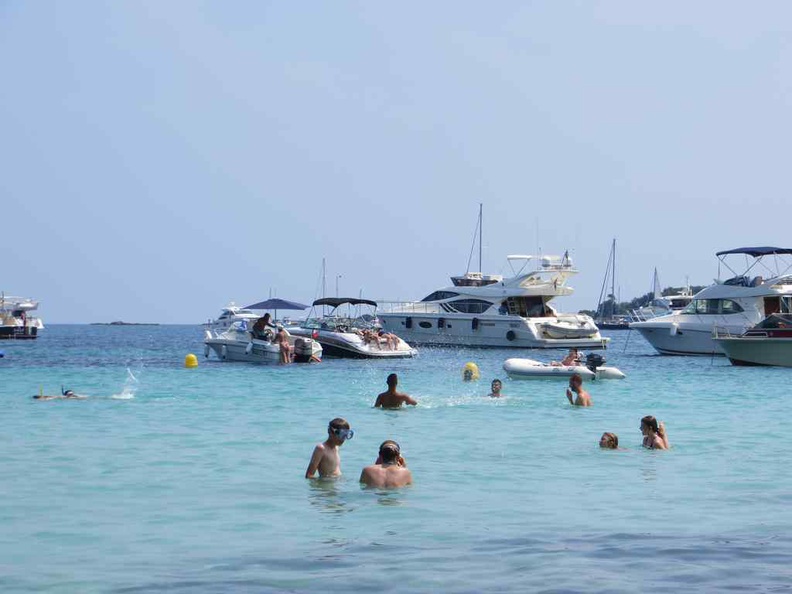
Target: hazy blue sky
161	158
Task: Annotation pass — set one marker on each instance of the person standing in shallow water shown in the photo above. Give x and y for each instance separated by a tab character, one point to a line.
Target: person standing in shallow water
581	397
326	459
389	471
496	388
655	436
391	398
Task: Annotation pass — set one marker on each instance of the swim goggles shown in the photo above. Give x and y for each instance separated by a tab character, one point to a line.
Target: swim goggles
344	434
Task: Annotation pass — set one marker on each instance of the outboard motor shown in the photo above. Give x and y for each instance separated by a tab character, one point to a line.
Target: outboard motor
594	360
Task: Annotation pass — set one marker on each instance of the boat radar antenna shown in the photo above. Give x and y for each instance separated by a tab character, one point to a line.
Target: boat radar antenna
476	233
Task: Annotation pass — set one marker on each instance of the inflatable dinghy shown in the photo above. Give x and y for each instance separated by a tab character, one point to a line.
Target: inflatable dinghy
530	369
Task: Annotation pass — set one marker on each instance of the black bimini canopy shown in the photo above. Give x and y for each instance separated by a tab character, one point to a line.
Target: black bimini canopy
276	303
336	301
756	251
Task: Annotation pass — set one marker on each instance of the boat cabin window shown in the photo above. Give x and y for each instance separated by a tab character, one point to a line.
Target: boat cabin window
440	295
471	306
528	307
713	307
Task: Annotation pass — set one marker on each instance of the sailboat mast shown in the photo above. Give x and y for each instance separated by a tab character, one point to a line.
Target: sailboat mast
613	280
481	233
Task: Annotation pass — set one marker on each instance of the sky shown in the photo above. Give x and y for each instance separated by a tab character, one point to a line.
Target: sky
160	159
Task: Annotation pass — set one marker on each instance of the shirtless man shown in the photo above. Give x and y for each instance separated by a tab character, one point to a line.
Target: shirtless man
391	398
282	339
572	359
389	471
497	385
326	459
582	398
655	436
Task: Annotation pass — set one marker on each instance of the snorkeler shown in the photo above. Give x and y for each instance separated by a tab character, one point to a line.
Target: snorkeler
326	459
582	398
65	394
391	398
655	436
389	471
496	387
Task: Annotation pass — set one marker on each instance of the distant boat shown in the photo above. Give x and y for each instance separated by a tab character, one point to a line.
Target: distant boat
609	320
16	323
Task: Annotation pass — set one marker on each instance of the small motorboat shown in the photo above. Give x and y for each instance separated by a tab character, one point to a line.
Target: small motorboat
767	343
564	329
531	369
352	336
237	343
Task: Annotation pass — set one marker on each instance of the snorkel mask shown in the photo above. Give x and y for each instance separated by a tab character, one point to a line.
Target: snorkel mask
345	434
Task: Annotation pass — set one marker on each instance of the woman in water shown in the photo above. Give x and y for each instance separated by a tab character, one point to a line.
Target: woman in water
609	441
655	437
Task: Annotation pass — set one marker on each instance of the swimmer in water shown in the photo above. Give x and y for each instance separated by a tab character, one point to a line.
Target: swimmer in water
655	436
391	398
581	398
389	471
609	441
326	459
497	385
64	395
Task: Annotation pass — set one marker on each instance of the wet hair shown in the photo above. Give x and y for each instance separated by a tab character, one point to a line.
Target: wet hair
576	378
497	380
650	422
611	441
389	451
392	380
338	423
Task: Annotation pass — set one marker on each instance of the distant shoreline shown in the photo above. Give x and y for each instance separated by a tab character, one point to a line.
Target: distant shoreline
123	324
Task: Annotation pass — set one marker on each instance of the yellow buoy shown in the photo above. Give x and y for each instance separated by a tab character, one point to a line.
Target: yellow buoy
470	372
190	361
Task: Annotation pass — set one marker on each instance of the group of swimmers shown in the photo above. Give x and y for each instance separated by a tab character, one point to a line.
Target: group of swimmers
390	468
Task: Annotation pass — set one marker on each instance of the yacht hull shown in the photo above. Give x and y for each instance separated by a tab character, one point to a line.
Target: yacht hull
485	332
18	333
757	351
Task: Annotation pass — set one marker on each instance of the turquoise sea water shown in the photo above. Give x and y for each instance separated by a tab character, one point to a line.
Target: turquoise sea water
192	480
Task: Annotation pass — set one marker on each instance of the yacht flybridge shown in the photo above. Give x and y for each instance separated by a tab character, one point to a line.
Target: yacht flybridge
493	311
731	306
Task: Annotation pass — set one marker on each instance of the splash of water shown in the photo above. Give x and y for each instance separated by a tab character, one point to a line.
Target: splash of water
130	387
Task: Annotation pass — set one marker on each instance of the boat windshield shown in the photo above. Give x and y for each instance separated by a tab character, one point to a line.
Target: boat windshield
776	321
341	324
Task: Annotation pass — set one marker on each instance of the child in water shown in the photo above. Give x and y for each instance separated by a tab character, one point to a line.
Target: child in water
326	459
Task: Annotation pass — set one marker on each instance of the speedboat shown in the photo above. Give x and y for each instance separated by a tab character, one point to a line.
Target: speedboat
733	305
767	343
16	322
595	368
230	314
352	336
481	310
238	343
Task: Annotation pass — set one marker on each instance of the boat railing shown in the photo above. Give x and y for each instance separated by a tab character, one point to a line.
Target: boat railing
411	307
723	332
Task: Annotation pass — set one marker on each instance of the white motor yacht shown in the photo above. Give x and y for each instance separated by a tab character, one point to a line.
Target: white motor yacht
16	321
733	305
240	343
230	314
480	310
352	336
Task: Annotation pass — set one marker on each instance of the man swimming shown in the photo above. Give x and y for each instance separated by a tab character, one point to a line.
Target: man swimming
582	398
496	387
326	459
389	471
64	395
391	398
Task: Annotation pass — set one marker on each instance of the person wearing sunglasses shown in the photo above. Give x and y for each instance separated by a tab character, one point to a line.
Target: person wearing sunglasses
326	459
389	471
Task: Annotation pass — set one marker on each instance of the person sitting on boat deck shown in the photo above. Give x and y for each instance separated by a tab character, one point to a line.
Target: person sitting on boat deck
655	436
326	459
389	471
391	340
582	398
391	398
609	441
572	359
282	339
263	327
496	387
